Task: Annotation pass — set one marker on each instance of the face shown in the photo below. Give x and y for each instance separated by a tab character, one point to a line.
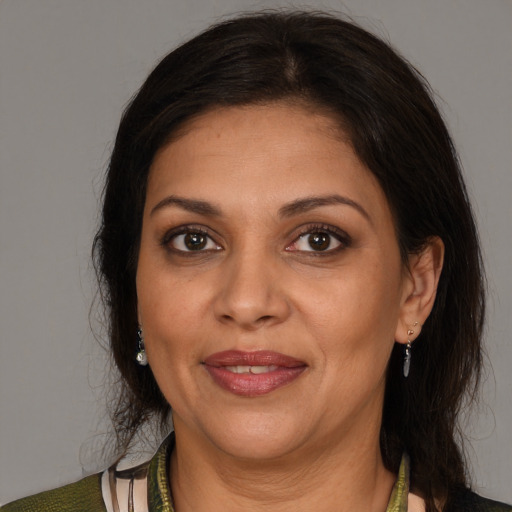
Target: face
269	282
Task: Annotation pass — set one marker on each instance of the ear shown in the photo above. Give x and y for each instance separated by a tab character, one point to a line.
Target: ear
419	289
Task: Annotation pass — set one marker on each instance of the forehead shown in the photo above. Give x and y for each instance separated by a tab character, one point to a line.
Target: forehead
263	153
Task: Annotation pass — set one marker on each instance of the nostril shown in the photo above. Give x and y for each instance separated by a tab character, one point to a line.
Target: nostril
260	319
249	324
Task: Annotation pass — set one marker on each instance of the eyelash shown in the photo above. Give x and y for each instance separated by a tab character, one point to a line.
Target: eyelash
171	235
339	235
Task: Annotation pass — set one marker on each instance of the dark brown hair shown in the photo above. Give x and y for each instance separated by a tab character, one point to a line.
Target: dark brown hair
386	108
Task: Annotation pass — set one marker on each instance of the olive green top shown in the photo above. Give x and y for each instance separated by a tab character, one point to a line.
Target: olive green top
89	494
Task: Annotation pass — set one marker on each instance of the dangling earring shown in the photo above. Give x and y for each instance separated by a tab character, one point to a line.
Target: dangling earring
407	357
141	353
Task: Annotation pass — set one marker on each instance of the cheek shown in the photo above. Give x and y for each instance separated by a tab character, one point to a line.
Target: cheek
168	311
157	299
173	309
354	316
172	316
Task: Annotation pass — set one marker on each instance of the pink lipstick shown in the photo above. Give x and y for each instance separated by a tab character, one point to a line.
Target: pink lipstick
252	373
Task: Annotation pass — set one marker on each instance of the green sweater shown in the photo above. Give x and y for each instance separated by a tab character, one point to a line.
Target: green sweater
89	494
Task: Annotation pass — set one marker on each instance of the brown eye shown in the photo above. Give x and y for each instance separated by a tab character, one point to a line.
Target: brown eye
319	241
195	241
192	241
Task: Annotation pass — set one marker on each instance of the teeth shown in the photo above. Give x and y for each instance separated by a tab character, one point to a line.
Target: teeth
238	369
262	369
251	369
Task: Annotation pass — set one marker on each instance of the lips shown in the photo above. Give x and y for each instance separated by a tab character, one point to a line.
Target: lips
252	373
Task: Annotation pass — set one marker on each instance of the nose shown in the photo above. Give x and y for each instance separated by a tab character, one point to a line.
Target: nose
252	294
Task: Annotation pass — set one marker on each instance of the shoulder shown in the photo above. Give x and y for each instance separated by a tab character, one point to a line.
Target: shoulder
145	485
82	495
470	502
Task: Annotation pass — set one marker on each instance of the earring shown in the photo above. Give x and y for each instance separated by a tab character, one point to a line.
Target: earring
141	353
407	356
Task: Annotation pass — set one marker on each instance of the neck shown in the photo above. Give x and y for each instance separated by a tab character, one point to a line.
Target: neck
349	475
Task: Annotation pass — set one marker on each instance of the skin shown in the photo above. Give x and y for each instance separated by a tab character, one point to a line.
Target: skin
258	284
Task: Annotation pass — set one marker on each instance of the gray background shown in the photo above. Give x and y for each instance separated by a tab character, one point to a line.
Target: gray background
67	68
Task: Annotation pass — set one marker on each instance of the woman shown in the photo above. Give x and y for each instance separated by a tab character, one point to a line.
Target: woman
291	266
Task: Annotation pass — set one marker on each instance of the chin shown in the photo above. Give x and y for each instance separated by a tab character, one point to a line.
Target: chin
253	447
255	437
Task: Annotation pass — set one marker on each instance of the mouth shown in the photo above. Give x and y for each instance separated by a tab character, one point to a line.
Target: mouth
252	374
255	370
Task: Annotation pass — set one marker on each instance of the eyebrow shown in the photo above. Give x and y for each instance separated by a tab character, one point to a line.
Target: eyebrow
310	203
190	205
288	210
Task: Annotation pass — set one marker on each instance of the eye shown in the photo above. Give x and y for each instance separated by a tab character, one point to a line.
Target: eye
192	240
317	242
320	240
